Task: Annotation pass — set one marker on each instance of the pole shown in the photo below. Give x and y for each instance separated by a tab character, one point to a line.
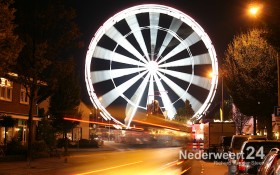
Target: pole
222	117
278	71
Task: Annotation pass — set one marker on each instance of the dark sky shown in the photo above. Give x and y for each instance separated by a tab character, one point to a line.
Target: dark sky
220	19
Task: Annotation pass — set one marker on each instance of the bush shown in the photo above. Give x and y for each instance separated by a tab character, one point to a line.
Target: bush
40	146
84	143
14	147
61	143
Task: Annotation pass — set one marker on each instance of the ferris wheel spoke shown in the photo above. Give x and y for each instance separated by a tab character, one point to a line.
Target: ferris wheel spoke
112	95
134	26
116	36
183	94
151	91
174	26
190	40
103	75
154	21
103	53
165	99
177	89
199	81
197	60
135	99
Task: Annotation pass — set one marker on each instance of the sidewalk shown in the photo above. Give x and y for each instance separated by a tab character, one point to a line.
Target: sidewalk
40	165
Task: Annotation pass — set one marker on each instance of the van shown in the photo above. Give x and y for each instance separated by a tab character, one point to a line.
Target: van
238	140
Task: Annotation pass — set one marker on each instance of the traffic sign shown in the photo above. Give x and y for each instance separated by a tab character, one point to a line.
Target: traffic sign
277	111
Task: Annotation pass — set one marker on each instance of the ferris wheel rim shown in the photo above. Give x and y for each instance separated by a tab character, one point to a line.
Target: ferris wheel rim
156	9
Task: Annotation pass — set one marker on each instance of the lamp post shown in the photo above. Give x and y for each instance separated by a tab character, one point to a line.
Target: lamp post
278	71
254	10
222	106
211	74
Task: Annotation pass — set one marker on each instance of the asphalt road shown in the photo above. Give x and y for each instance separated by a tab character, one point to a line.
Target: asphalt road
120	160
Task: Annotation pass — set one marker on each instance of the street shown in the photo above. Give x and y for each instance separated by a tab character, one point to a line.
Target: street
120	161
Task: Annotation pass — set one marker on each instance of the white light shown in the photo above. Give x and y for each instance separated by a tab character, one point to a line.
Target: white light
152	67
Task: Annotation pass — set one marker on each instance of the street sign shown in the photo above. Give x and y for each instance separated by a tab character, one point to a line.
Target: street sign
277	111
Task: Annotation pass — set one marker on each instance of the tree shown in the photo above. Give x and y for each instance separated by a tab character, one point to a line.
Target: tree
64	103
6	122
10	44
46	131
250	72
50	34
184	113
239	119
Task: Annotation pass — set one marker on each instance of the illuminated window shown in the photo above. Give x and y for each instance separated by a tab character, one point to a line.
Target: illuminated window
6	89
23	95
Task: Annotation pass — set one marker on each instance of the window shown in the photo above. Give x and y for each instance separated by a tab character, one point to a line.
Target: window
23	95
6	89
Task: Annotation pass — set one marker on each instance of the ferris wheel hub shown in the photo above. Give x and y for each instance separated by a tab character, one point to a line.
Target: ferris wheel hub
152	67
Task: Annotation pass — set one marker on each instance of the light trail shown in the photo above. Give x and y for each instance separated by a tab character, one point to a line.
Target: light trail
100	123
110	168
152	124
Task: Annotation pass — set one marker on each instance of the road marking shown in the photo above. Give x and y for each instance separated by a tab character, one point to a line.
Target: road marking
186	170
114	167
170	164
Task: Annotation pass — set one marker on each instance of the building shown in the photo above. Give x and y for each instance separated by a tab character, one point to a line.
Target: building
14	102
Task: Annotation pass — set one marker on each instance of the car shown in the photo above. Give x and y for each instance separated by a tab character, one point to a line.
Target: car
270	162
224	144
277	168
238	140
235	147
252	154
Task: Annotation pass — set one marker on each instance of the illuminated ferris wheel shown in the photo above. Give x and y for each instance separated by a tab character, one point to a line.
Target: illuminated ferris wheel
146	53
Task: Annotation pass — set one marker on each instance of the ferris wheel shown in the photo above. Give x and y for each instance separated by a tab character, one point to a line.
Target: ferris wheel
150	53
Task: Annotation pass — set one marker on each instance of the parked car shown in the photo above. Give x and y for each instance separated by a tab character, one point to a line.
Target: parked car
238	140
252	154
224	144
270	163
277	168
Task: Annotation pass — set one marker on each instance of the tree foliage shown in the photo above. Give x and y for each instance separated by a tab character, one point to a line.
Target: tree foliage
10	44
46	131
50	34
239	119
184	113
271	17
250	74
65	103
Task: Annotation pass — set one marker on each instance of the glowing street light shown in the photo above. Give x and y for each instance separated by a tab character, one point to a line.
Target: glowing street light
254	9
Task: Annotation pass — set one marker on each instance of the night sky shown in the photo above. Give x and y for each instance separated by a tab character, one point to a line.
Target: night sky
220	19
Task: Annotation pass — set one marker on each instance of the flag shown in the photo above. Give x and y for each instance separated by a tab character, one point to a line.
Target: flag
221	114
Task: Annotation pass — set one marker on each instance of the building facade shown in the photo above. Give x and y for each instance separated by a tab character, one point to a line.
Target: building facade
14	102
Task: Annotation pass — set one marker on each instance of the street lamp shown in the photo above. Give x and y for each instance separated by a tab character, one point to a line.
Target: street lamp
254	9
278	67
222	94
